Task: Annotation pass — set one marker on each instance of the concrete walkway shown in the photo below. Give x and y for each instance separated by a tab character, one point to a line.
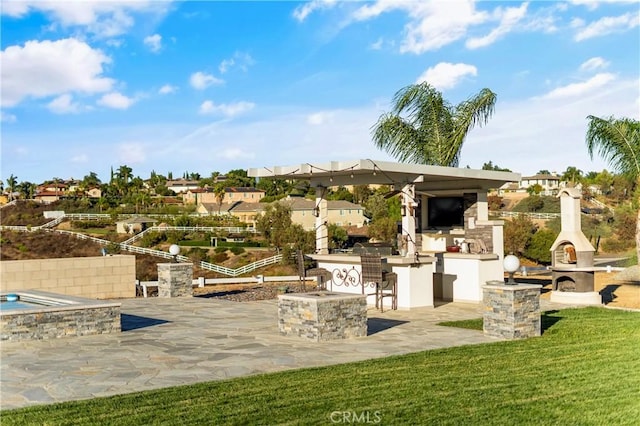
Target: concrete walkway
169	342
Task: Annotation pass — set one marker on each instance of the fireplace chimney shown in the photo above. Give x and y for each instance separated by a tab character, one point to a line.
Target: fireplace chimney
571	247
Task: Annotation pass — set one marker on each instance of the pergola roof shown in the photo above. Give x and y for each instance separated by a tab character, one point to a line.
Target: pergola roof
431	179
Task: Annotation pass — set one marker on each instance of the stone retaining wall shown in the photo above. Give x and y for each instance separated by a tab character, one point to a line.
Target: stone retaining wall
322	315
42	325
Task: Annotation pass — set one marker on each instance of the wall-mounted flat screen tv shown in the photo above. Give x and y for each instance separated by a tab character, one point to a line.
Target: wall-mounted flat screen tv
446	212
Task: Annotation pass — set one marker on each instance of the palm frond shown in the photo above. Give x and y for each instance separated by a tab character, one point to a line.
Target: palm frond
617	141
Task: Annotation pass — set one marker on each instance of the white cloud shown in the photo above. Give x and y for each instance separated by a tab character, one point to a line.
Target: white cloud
446	75
225	65
103	19
377	45
528	135
131	153
63	104
80	159
431	25
236	154
228	110
201	81
593	4
7	118
608	25
579	89
303	11
69	65
153	42
241	60
319	118
116	100
167	89
594	64
509	17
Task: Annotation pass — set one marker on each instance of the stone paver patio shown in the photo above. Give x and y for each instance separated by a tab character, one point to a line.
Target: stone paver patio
169	342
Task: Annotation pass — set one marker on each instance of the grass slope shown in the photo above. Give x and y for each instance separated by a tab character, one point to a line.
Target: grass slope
583	370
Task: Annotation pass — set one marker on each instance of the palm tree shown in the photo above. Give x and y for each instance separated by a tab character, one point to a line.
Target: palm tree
424	128
618	142
219	191
12	181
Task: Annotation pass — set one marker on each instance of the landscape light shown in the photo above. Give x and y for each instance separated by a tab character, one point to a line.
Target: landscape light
511	265
174	250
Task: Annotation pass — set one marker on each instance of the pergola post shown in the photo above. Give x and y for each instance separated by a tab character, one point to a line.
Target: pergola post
322	215
408	210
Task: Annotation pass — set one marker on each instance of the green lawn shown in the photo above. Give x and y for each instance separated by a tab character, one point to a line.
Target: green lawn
584	370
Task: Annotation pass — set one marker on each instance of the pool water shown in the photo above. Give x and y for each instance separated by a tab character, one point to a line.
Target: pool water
4	305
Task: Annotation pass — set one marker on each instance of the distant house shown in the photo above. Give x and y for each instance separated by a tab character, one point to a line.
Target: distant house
342	213
245	194
94	192
550	183
231	195
198	196
134	225
213	209
182	185
247	212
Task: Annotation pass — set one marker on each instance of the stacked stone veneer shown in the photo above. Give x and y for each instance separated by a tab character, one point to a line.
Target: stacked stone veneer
175	279
96	277
511	311
480	232
42	324
323	315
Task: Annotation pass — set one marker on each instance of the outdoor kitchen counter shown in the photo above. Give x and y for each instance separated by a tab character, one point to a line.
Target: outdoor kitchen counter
415	277
460	276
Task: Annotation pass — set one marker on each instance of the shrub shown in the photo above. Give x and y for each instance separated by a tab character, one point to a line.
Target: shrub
517	234
538	248
219	250
219	257
236	250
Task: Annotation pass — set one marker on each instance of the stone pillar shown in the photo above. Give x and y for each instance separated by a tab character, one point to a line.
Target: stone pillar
511	311
175	279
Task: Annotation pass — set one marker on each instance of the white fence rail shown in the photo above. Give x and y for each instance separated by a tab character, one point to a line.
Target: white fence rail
87	216
229	229
530	215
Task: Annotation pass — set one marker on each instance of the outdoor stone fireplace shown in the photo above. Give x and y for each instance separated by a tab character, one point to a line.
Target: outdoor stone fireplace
572	256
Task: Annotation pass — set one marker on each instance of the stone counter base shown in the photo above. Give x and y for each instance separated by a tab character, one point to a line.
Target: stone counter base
322	315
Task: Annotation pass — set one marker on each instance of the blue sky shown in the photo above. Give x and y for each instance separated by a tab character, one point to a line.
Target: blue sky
203	86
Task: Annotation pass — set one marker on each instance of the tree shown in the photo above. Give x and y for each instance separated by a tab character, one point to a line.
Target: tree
618	142
275	223
535	189
12	181
219	192
424	128
517	234
572	175
495	167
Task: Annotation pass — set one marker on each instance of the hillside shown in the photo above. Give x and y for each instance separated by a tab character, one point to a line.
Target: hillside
49	244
